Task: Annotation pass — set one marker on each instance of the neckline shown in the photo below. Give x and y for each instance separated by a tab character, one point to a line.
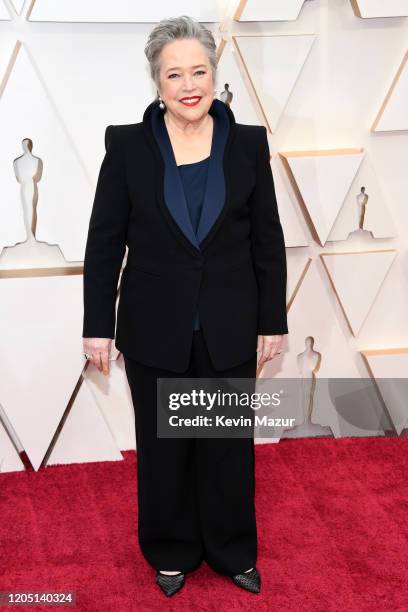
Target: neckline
213	139
200	161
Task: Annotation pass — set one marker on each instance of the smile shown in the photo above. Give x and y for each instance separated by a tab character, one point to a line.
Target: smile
191	101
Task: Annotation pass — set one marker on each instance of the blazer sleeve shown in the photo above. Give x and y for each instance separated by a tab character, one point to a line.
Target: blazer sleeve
106	242
268	246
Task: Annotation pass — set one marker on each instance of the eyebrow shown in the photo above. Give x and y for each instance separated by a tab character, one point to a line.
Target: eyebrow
178	67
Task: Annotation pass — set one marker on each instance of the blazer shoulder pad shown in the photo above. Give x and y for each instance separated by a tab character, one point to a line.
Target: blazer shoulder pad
251	131
126	128
122	132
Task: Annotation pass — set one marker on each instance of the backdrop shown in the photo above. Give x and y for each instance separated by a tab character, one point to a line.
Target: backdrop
329	80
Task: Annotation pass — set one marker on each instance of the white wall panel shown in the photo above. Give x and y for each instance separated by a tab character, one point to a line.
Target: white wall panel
322	180
393	114
376	217
4	14
8	48
311	314
246	108
243	102
40	355
27	111
105	81
124	10
85	435
17	5
274	64
294	230
380	8
10	460
116	405
268	10
390	369
357	279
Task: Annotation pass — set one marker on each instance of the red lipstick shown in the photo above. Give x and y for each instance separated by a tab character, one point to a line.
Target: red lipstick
190	101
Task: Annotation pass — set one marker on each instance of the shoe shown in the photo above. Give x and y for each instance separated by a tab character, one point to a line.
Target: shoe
251	581
170	584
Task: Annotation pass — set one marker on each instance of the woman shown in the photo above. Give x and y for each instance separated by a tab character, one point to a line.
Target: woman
191	193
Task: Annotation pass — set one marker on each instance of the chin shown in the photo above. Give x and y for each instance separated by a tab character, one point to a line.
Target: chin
193	113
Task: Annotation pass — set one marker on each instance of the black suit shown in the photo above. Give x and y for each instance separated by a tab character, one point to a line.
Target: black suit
235	273
196	497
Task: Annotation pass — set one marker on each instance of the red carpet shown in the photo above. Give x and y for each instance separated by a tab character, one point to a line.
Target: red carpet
332	522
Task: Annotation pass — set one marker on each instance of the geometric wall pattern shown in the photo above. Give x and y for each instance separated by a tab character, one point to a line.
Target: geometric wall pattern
10	460
122	10
273	80
74	444
346	184
379	8
17	5
393	114
365	208
41	123
306	319
313	320
265	10
8	49
321	180
355	418
294	232
356	279
389	367
4	15
232	75
40	355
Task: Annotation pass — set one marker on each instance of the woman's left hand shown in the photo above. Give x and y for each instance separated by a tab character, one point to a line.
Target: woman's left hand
267	348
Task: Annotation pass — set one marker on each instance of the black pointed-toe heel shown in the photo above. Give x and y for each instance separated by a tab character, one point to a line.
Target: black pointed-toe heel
170	584
251	581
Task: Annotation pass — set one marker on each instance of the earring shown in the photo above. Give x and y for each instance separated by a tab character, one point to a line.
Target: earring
161	103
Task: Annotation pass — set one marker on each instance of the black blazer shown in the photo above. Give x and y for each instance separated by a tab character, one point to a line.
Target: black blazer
233	270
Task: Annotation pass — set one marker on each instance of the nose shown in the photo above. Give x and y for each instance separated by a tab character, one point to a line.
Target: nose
188	82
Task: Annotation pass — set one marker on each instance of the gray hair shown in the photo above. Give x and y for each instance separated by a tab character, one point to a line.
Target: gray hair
175	28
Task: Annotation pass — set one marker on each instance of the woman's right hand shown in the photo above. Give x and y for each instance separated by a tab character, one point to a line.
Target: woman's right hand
98	350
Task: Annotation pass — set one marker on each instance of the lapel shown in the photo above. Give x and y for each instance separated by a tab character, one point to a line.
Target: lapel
170	188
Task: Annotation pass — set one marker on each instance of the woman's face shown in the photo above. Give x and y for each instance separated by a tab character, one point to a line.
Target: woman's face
185	72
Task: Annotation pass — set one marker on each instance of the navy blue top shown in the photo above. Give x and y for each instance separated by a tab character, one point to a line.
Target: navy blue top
194	178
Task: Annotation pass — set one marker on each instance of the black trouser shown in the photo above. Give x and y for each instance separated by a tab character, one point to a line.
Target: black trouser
196	496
